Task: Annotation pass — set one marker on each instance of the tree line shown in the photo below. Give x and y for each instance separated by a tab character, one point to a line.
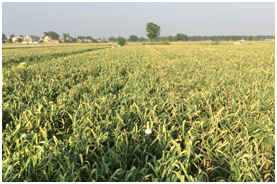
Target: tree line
184	37
153	34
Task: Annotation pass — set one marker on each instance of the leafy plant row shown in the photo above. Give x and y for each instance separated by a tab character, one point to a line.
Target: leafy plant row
14	57
83	117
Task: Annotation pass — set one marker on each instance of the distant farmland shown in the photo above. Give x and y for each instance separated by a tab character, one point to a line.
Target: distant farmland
79	113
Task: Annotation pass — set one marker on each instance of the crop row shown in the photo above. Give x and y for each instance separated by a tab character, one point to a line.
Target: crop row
83	117
11	57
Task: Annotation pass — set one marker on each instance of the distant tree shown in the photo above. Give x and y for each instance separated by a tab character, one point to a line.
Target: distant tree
170	38
21	35
142	39
4	38
236	38
158	38
113	39
181	37
165	41
85	37
52	34
153	30
66	37
10	39
19	40
133	38
121	41
174	38
104	40
94	40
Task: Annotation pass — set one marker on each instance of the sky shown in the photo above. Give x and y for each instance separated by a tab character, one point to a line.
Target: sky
102	20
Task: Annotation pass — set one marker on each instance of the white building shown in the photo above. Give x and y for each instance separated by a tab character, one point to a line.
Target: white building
31	39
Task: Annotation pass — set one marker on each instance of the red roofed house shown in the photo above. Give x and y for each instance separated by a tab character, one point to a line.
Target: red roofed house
48	39
31	39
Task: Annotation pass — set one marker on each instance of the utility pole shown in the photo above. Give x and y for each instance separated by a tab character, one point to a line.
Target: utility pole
75	37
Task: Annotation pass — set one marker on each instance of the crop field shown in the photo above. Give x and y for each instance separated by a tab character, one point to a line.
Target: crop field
13	56
82	116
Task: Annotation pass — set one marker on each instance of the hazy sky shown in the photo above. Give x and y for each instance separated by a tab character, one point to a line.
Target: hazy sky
124	19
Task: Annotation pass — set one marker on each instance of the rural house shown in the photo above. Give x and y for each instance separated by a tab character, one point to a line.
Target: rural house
15	39
70	39
31	39
48	39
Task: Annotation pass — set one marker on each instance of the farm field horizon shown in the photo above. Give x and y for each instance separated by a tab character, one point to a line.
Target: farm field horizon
78	112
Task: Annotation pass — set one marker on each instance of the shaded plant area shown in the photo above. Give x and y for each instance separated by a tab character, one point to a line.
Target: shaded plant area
83	117
13	57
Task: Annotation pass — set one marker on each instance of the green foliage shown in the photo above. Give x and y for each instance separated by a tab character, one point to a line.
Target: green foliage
160	43
82	117
66	38
4	38
133	38
10	39
52	34
153	30
121	41
236	38
181	37
13	57
104	40
163	42
113	39
19	40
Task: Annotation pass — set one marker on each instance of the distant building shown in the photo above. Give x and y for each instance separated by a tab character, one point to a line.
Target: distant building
31	39
70	39
48	39
15	39
269	40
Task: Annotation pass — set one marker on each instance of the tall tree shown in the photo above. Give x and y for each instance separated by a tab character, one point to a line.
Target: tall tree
4	38
52	34
153	30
